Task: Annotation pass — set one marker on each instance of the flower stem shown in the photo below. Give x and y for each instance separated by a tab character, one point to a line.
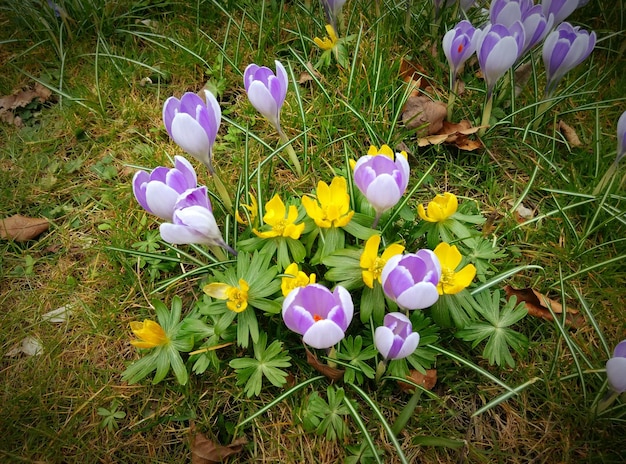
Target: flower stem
291	152
486	114
605	402
222	191
376	219
608	176
540	112
452	95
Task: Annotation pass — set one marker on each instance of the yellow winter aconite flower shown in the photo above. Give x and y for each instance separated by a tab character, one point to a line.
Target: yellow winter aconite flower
281	220
252	208
384	150
328	43
373	264
237	296
149	333
440	209
295	278
332	208
451	281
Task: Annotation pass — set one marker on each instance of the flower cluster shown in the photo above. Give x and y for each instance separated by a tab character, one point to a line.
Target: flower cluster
334	265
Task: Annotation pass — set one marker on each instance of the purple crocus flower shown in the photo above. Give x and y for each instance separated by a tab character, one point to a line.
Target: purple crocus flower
616	368
535	24
411	279
266	90
158	191
319	315
498	48
395	339
194	224
193	123
621	137
382	180
564	49
459	44
560	9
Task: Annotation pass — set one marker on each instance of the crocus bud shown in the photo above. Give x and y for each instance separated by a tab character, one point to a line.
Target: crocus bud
193	123
560	9
266	90
459	44
193	224
621	137
158	191
564	49
411	280
536	25
498	48
319	315
382	179
616	368
395	339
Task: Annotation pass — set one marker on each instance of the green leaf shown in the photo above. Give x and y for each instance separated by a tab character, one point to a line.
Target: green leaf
266	363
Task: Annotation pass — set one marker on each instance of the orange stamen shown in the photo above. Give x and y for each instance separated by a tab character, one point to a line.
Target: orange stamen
460	49
317	318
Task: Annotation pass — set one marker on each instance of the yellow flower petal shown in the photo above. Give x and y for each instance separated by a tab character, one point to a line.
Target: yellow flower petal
216	290
440	208
295	278
149	333
370	252
383	150
451	281
332	208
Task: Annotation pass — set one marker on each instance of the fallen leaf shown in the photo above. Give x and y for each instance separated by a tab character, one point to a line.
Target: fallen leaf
22	228
412	71
30	346
570	134
420	111
427	380
20	99
58	315
205	451
454	133
331	372
537	305
307	76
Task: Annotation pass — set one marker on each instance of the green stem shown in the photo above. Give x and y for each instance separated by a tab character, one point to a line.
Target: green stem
606	401
486	114
608	175
291	152
452	95
540	112
222	191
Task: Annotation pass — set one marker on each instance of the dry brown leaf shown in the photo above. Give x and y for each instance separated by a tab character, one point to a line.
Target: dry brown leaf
331	372
420	110
205	451
307	76
537	305
427	380
22	228
20	99
412	71
455	133
522	75
570	134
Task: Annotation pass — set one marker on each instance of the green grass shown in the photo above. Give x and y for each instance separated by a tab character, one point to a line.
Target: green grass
73	163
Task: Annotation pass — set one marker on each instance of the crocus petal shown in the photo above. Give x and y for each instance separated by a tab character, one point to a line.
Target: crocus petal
419	296
616	374
191	137
139	188
383	193
161	199
262	100
323	334
409	346
383	339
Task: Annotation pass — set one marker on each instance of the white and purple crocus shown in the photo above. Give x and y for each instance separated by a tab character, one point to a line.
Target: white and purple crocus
564	49
267	90
616	368
173	195
395	339
498	48
158	191
382	180
621	137
458	45
560	9
193	122
535	23
411	279
319	315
